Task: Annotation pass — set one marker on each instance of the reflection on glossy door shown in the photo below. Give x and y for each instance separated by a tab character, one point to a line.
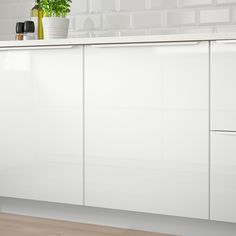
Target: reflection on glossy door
41	124
147	128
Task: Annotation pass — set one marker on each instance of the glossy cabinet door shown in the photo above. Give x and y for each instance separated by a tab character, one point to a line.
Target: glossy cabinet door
147	128
41	113
223	84
223	176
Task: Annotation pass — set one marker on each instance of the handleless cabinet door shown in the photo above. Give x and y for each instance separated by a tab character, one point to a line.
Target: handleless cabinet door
223	84
147	128
41	92
223	176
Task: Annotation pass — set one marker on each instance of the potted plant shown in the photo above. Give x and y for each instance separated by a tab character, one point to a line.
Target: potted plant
55	23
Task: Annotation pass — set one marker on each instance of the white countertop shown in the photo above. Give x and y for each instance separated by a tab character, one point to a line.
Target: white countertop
121	40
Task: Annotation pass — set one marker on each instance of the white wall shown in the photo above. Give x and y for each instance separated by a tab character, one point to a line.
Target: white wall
132	17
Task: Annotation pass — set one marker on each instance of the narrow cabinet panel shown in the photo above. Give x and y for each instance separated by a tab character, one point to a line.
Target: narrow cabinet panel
41	138
223	126
223	84
147	128
223	176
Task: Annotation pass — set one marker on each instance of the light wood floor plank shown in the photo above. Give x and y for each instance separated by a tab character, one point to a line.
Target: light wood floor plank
13	225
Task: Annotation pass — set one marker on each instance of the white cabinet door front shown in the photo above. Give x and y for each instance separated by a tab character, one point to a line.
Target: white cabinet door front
223	84
41	106
223	176
147	128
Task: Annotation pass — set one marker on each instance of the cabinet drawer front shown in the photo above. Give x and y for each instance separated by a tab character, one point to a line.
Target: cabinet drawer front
147	128
223	85
223	176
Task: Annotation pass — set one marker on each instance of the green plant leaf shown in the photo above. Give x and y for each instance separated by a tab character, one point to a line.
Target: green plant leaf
58	8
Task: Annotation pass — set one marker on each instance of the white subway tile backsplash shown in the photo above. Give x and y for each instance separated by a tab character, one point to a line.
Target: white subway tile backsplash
226	28
116	21
225	1
72	23
164	31
20	9
234	16
78	7
104	34
132	32
7	26
7	37
163	4
197	30
75	34
147	19
88	22
180	17
188	3
215	16
133	5
4	11
98	18
102	5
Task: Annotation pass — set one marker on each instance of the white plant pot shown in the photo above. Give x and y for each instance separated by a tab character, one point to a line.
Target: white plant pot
55	27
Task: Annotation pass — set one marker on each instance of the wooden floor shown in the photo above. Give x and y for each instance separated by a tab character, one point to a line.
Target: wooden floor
12	225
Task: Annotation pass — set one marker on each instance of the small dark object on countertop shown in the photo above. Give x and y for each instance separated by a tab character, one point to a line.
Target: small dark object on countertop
19	31
29	29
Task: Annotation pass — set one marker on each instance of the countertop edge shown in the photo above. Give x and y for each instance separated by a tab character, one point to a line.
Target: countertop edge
121	40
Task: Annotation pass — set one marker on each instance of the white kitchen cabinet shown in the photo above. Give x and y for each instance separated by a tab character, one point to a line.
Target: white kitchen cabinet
223	84
223	126
41	129
147	128
223	176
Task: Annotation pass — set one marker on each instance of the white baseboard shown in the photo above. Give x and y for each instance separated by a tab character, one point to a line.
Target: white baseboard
124	219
